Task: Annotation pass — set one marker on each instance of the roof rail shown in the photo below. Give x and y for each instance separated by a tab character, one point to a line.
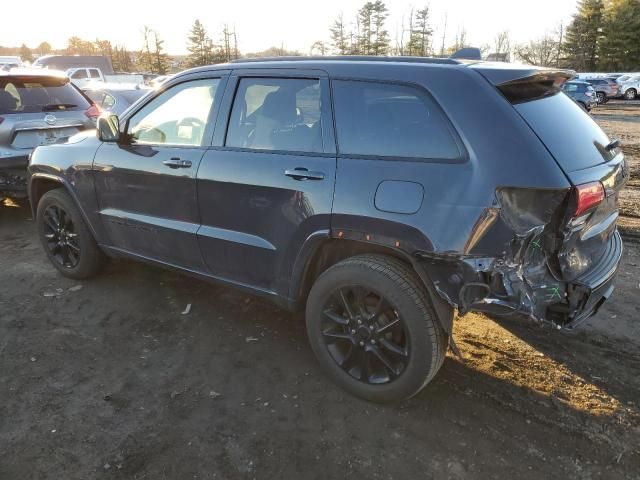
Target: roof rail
349	58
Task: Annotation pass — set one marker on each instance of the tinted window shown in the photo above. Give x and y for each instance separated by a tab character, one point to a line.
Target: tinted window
94	73
571	136
390	120
177	116
39	94
276	114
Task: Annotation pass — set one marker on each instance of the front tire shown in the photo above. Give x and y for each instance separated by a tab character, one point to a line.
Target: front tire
373	330
66	239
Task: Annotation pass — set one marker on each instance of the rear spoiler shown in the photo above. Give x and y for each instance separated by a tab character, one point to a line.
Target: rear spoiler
523	83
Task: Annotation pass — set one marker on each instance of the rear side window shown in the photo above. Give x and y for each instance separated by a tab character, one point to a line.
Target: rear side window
381	119
94	73
276	114
39	94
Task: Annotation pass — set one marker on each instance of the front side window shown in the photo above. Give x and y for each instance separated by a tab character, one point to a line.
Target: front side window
276	114
175	117
379	119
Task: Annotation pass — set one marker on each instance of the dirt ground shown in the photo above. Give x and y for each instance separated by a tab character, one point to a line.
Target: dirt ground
108	379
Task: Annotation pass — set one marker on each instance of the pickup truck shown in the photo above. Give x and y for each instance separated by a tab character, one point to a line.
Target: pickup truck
82	77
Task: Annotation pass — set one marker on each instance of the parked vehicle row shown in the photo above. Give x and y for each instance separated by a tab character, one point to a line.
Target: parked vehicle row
378	194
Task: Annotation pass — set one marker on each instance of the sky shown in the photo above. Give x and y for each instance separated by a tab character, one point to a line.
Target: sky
294	24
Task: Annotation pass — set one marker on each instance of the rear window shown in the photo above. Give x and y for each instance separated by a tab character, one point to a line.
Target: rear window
572	137
39	94
391	120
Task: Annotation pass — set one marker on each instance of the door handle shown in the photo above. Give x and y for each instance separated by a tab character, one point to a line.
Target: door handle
175	162
301	173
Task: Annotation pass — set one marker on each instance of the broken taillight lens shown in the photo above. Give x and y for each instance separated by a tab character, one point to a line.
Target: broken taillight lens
589	195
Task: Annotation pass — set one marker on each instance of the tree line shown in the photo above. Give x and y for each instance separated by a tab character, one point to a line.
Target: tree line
603	35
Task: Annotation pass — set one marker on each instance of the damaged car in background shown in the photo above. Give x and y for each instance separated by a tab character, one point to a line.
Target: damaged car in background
36	108
378	194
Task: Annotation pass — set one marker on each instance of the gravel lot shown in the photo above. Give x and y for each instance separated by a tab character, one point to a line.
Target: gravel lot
108	379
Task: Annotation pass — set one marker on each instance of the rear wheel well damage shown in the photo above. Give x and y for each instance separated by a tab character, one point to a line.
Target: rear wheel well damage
334	251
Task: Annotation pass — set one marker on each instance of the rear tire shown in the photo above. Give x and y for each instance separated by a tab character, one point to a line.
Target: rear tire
373	330
602	98
65	237
630	94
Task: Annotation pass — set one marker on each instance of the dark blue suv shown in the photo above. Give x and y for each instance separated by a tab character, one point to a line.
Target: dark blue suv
379	194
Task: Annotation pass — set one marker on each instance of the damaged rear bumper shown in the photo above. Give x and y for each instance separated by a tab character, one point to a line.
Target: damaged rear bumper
527	288
13	175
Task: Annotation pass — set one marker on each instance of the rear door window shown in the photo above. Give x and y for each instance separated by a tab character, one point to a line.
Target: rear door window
276	114
26	94
94	73
391	120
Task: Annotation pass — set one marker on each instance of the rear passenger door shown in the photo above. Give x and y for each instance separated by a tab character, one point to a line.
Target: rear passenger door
266	184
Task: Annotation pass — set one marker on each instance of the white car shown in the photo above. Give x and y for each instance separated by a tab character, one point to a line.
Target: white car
629	86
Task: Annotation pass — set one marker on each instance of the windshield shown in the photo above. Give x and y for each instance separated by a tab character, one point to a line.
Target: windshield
31	94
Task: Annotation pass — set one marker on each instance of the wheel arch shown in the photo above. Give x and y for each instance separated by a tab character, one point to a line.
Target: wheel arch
330	251
41	183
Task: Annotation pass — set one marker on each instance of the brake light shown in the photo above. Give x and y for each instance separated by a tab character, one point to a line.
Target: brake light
589	195
93	112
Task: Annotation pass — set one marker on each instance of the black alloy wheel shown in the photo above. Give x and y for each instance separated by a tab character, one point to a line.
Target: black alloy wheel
365	335
61	238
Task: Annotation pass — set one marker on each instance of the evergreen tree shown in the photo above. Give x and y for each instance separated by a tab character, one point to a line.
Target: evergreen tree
419	33
200	46
152	58
373	38
339	41
619	48
583	34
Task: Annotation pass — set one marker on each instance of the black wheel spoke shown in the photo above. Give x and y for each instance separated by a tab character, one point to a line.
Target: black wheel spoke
337	335
393	348
335	317
389	325
359	295
346	305
384	360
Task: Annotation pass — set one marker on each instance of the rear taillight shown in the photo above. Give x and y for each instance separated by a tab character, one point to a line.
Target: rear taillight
588	195
93	112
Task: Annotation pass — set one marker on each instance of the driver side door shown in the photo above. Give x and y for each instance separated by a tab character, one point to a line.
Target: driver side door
146	183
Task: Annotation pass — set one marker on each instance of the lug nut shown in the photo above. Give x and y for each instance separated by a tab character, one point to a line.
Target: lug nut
362	344
359	322
373	342
353	332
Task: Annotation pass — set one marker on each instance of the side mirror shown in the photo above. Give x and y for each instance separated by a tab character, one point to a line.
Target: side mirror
108	128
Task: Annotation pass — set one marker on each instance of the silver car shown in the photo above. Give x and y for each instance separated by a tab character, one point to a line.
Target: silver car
36	108
115	99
